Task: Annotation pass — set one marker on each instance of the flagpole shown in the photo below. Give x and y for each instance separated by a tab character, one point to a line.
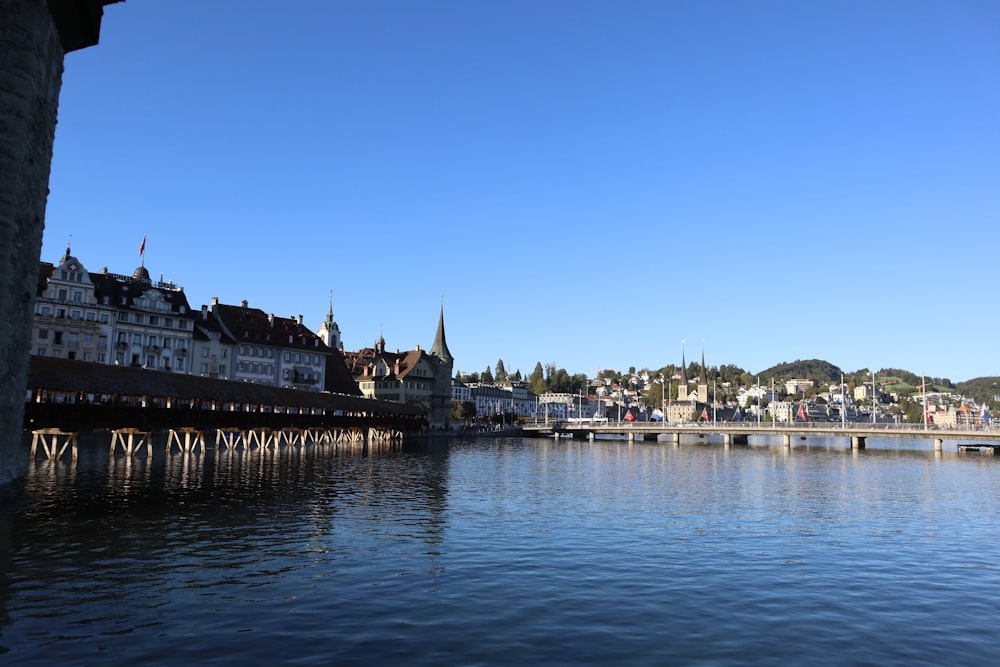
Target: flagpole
923	387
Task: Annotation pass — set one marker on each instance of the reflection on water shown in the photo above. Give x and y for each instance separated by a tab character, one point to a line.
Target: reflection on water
504	551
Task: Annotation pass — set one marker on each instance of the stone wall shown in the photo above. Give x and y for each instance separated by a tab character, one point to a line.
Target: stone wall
31	65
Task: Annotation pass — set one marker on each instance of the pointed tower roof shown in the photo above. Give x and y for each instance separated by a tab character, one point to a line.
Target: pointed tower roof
440	347
329	313
703	378
684	366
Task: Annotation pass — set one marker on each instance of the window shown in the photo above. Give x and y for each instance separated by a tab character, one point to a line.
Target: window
154	321
88	339
77	296
43	334
204	351
137	318
204	367
168	322
137	339
222	369
87	356
74	339
91	316
166	343
101	358
224	354
105	319
102	342
46	311
57	338
60	313
40	352
76	315
61	295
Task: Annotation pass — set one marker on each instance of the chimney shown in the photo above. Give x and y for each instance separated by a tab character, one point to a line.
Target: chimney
244	303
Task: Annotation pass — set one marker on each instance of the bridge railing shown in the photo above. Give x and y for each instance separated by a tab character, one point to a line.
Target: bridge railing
768	426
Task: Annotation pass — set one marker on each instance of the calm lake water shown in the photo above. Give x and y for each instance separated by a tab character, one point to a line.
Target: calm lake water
508	552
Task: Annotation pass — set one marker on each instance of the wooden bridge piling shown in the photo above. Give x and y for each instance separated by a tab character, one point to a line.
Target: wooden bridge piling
132	440
54	443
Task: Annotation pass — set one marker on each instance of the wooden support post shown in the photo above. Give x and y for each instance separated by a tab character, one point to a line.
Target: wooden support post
231	438
193	439
131	440
54	443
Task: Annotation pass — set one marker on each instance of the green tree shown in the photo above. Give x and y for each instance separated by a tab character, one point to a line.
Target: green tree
536	381
501	373
487	375
464	411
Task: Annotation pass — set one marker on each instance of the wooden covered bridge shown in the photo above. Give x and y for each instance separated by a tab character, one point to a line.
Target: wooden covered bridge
67	397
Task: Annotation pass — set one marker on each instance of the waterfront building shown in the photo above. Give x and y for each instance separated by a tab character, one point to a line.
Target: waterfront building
212	348
559	405
111	318
271	350
411	376
492	399
460	392
68	321
153	324
781	411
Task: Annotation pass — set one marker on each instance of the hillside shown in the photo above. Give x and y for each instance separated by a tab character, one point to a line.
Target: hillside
981	390
810	369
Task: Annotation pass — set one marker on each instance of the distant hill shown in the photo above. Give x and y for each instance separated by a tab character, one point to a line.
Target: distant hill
810	369
981	390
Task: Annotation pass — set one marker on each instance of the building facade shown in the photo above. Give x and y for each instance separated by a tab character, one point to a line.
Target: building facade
111	318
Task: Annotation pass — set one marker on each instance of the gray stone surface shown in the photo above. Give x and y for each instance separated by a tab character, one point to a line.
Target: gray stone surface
31	65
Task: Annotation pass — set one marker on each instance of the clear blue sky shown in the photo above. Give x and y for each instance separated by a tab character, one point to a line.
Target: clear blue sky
585	183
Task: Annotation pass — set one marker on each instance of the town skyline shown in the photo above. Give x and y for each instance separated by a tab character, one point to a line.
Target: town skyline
782	181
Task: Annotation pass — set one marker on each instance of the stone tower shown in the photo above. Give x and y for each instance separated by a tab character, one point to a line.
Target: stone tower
441	399
35	36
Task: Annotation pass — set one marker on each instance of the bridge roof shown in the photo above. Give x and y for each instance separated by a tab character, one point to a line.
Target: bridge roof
63	375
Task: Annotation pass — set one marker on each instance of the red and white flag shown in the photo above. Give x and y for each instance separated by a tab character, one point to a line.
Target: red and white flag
704	413
802	413
142	246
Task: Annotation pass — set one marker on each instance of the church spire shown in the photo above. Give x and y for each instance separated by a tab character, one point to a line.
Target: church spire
684	367
329	332
440	347
704	375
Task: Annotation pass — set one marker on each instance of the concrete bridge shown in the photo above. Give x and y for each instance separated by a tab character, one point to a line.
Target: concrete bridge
740	432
